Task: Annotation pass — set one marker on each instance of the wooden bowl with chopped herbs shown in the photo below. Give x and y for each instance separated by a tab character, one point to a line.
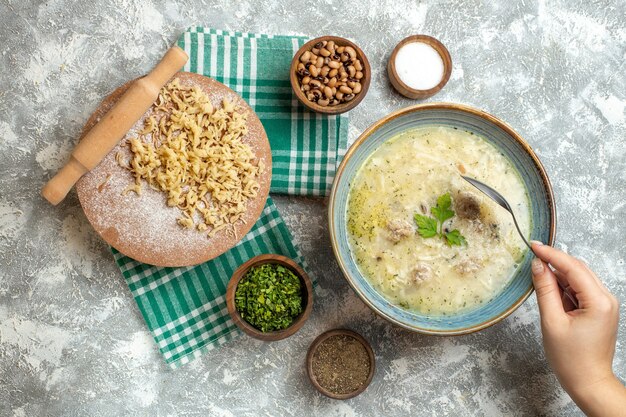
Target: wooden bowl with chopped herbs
269	297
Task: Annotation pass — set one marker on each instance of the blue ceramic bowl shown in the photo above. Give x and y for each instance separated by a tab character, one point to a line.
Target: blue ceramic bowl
504	139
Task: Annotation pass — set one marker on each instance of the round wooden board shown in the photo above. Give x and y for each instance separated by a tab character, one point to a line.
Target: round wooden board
144	227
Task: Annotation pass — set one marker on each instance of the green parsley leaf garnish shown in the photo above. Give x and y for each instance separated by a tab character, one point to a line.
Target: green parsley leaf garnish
426	226
454	238
442	211
429	227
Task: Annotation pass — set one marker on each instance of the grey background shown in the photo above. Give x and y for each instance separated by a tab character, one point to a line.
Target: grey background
72	341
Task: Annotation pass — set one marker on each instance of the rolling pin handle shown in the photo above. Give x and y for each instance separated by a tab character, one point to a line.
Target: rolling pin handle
114	124
172	62
57	188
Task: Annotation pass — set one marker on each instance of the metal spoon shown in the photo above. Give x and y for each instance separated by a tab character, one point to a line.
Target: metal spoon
497	197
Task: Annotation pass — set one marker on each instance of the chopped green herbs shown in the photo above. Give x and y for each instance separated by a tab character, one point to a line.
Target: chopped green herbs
429	227
269	297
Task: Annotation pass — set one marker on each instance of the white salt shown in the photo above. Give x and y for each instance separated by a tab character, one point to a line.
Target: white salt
419	66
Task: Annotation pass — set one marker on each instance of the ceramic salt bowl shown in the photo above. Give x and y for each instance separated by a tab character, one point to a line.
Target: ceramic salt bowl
512	146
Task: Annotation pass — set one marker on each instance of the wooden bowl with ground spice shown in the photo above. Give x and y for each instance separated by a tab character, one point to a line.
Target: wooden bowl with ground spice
340	364
269	297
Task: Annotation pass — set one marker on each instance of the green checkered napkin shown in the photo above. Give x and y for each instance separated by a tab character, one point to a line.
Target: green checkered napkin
185	308
306	146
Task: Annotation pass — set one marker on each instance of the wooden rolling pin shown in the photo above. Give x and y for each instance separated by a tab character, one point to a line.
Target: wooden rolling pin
103	137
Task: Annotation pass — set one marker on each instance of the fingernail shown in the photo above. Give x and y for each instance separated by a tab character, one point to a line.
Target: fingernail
536	242
536	266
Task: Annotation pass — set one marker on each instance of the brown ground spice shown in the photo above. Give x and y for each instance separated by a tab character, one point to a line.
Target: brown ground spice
341	364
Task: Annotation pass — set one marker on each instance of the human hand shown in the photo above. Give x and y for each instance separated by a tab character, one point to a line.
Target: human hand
579	343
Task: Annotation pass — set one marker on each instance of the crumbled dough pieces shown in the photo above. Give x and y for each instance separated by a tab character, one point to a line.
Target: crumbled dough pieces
194	153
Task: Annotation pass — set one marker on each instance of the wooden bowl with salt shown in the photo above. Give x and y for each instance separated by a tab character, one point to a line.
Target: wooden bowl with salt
424	64
143	227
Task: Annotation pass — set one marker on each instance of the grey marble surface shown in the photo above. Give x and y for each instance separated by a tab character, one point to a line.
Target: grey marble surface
72	341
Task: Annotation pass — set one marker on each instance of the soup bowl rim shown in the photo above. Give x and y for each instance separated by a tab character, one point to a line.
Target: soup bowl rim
363	137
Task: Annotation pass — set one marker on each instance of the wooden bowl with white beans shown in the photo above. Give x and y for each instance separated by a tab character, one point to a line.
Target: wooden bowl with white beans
330	75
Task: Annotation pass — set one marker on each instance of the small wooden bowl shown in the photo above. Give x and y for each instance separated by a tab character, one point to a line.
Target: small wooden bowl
307	297
341	108
313	348
404	89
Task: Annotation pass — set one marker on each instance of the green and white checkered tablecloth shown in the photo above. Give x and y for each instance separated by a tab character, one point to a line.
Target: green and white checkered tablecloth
185	308
306	146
